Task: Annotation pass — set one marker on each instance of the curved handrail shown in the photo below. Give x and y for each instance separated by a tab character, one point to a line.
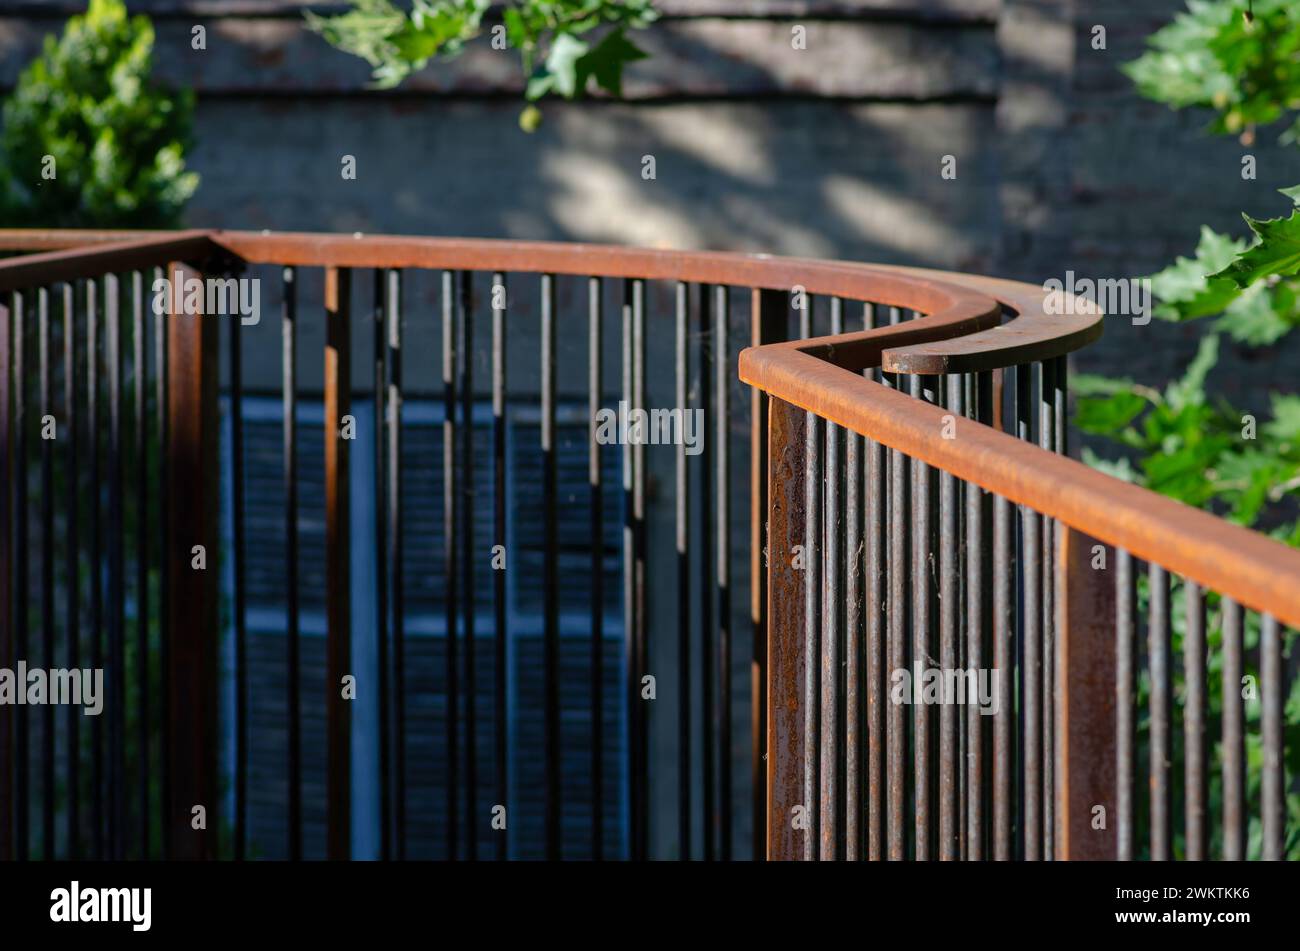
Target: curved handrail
961	329
1251	568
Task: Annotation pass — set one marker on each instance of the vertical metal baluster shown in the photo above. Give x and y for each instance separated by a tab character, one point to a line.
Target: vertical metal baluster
1161	749
923	523
1126	668
849	769
681	495
140	360
22	832
96	559
1060	405
768	322
896	653
289	369
722	484
875	539
1047	440
47	567
632	684
595	316
160	390
1004	654
979	629
164	589
949	587
812	617
465	318
338	545
550	573
639	507
397	555
1194	777
831	653
1234	741
8	555
1031	624
853	643
379	366
450	345
708	752
499	594
1272	705
116	575
237	555
72	565
896	646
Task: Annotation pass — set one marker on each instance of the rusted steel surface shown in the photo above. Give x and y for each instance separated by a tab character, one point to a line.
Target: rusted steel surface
1126	671
1253	569
1004	632
1160	703
1195	785
1272	701
338	403
812	590
767	325
1043	326
6	593
786	652
191	632
129	252
1234	741
1085	684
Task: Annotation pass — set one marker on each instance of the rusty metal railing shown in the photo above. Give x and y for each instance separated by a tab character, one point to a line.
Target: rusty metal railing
1048	599
825	742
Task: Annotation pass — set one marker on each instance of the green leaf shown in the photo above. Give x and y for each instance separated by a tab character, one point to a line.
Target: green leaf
1091	384
1186	292
1259	316
1276	253
562	65
1105	415
1190	390
606	61
1285	425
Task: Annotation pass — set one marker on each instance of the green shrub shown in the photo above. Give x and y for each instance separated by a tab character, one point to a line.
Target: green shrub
89	140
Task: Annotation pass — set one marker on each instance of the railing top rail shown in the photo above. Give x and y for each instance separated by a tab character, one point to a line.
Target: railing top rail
1251	568
128	251
960	332
926	292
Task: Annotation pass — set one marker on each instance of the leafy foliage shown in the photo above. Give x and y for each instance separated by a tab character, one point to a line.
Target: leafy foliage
1191	447
1237	58
117	139
567	47
1255	287
1184	442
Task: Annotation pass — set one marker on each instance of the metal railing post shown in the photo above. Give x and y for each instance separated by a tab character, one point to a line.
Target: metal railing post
786	648
191	625
1086	813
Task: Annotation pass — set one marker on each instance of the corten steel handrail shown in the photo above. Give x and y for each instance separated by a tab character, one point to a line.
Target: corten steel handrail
820	383
1259	572
987	326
